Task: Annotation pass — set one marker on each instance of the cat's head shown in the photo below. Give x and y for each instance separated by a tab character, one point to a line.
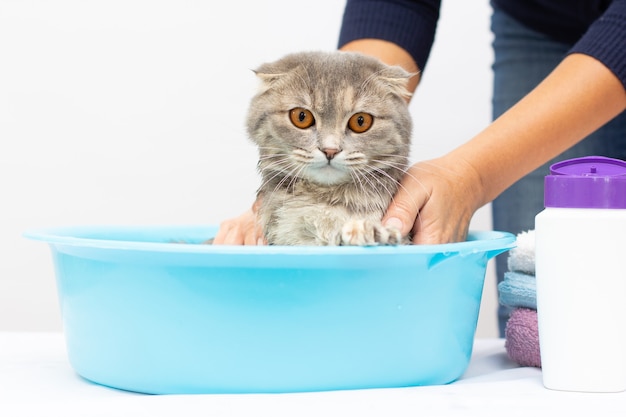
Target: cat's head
331	118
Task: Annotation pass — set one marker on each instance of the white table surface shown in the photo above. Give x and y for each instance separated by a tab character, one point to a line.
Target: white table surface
37	380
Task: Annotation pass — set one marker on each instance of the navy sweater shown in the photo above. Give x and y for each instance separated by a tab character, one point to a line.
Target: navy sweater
593	27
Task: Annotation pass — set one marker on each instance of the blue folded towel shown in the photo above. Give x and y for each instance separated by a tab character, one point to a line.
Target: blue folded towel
518	290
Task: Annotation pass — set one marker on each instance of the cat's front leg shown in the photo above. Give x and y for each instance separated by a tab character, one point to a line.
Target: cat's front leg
365	232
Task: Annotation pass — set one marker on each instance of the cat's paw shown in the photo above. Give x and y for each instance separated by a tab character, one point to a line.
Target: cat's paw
368	233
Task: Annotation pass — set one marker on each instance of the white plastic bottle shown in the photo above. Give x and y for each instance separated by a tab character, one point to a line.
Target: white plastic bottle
580	257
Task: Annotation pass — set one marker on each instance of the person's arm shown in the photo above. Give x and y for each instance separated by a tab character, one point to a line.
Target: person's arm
583	93
396	32
438	198
389	53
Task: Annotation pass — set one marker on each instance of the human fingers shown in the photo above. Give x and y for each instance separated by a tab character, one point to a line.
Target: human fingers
453	199
230	232
241	230
404	209
439	225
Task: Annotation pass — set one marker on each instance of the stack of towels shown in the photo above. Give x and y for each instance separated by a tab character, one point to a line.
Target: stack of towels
518	290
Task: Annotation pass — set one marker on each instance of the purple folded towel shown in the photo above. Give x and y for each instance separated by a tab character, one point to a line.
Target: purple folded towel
522	337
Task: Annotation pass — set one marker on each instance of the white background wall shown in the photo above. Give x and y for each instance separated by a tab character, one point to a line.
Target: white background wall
132	112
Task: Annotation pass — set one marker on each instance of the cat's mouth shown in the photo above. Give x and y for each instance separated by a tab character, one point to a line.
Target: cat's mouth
328	173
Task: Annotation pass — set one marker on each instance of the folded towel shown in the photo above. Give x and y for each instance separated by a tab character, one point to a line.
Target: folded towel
522	337
522	257
518	290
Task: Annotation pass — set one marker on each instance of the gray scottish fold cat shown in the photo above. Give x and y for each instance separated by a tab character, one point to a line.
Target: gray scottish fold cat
333	132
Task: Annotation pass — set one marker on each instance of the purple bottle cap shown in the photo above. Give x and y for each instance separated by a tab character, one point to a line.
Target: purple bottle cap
589	182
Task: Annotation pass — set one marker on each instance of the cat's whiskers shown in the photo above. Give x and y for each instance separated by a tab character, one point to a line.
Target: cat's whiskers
395	156
368	181
405	172
415	179
370	172
357	179
395	165
373	176
291	176
272	155
277	170
271	148
279	166
364	173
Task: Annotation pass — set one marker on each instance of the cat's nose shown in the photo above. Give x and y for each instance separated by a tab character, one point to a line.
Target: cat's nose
330	152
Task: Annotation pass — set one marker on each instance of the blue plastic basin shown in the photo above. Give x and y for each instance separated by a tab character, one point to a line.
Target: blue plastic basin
143	314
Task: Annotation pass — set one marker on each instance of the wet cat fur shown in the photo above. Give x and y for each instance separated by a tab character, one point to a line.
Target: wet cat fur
326	184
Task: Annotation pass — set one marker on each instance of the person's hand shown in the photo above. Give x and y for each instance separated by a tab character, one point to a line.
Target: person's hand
240	230
436	201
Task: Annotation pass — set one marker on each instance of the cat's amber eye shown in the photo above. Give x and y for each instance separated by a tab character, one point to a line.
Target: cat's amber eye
360	122
301	118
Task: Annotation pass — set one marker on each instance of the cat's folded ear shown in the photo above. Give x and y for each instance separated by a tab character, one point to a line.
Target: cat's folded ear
397	79
270	76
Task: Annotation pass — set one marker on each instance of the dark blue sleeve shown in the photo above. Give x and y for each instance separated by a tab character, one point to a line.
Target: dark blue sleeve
409	24
606	40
